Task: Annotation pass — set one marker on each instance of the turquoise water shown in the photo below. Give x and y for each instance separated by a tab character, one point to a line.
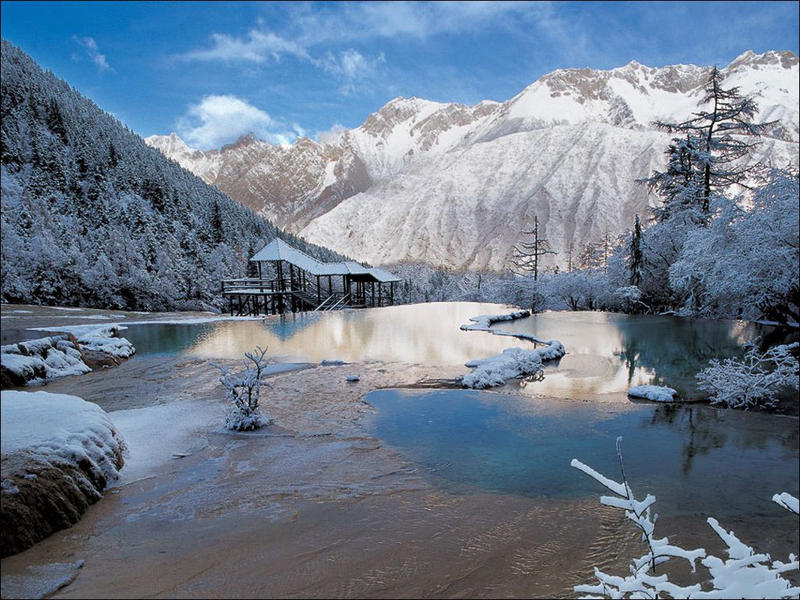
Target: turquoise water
690	457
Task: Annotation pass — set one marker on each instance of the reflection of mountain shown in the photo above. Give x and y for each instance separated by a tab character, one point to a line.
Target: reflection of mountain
426	333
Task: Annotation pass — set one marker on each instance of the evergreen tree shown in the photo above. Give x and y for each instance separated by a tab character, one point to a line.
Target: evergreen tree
635	254
707	157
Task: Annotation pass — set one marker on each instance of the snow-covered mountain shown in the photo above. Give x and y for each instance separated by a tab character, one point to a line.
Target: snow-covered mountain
454	185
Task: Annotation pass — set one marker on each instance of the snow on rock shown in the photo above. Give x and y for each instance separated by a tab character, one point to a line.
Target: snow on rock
787	501
656	393
37	361
70	447
511	363
108	341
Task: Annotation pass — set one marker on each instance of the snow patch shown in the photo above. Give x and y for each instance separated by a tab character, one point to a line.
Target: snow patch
656	393
511	363
106	340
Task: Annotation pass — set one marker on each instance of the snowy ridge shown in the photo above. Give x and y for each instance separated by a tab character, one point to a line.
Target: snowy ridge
441	182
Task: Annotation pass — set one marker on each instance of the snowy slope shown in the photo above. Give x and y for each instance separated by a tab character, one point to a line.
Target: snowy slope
453	185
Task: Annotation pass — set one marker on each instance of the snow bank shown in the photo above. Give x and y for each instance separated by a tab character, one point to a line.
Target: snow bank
483	322
106	340
58	453
37	361
511	363
656	393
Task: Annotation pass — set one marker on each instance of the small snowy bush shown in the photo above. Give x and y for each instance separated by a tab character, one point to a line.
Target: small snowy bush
745	574
752	382
243	390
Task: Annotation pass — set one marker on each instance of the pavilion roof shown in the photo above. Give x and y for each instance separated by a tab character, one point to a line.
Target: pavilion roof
277	250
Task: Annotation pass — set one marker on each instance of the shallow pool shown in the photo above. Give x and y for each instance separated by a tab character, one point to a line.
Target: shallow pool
694	459
606	352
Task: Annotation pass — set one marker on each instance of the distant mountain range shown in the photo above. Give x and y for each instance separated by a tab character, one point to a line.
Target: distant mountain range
454	185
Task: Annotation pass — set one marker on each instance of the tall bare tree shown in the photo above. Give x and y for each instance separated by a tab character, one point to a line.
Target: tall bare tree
707	156
529	250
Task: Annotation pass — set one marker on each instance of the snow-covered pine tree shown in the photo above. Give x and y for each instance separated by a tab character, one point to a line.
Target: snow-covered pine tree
635	254
93	216
707	157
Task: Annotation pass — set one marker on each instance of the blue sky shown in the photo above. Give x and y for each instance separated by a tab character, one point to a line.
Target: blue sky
214	71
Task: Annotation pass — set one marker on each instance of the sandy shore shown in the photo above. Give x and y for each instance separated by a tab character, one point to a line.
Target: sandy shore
312	506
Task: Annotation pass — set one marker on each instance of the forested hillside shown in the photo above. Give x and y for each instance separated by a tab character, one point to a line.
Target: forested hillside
92	216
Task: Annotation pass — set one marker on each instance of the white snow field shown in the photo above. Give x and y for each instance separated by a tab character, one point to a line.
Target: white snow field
656	393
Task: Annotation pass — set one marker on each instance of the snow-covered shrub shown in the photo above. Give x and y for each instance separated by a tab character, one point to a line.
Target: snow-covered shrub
753	381
745	264
629	299
579	290
745	574
243	391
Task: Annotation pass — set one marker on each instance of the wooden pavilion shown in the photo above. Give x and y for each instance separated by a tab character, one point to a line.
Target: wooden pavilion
290	279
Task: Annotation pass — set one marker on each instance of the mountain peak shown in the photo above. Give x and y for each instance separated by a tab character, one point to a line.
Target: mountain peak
786	59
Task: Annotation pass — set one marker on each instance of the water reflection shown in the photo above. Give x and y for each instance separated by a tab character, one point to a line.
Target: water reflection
610	352
606	352
691	457
423	333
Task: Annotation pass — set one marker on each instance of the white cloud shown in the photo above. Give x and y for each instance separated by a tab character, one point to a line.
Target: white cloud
323	34
348	22
258	46
92	52
332	135
219	120
351	67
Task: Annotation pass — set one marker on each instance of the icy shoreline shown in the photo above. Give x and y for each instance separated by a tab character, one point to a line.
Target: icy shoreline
35	362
